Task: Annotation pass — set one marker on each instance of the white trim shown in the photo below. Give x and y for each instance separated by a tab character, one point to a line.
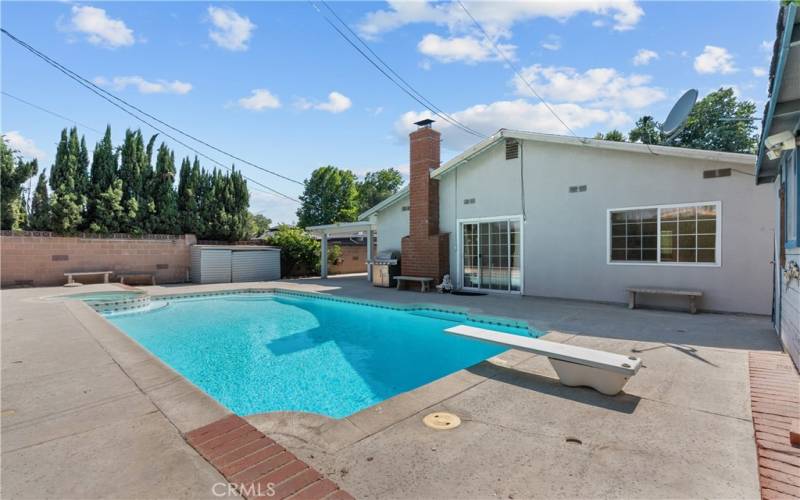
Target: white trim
628	147
460	247
717	247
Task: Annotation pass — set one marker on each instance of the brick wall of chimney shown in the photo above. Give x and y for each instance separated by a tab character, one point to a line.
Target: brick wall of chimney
424	250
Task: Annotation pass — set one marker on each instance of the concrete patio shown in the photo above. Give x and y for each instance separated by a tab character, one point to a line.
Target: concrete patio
78	422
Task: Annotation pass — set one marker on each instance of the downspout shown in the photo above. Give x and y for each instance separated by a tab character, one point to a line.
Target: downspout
522	179
788	25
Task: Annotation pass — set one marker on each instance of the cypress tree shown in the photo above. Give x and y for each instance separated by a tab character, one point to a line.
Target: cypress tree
12	175
67	201
39	219
165	218
103	173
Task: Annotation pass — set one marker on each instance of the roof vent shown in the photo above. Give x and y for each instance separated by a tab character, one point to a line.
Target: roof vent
512	149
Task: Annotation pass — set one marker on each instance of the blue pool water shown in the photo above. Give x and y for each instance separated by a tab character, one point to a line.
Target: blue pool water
261	352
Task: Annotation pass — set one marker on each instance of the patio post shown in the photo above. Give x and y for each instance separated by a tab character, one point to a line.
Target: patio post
323	265
369	255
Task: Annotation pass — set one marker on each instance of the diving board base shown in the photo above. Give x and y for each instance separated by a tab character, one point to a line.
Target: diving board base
575	375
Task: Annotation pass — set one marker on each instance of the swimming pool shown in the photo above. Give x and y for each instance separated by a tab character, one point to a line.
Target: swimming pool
263	352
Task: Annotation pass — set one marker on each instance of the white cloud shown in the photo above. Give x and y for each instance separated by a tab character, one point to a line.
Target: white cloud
461	49
644	56
496	17
714	60
336	103
552	42
144	86
375	111
99	28
259	99
757	71
24	146
232	31
599	87
518	114
766	46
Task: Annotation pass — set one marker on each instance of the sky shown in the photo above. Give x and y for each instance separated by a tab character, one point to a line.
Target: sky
273	83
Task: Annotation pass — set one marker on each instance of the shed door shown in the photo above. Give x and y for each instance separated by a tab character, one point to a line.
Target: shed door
216	266
251	265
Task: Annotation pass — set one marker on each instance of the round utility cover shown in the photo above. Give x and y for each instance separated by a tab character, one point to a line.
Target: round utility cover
680	112
441	420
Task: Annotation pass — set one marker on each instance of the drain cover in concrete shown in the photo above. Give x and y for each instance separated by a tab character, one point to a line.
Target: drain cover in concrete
441	420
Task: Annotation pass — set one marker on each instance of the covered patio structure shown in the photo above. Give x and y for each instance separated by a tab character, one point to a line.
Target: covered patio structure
343	229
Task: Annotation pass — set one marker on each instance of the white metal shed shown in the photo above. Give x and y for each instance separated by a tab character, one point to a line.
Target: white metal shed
234	263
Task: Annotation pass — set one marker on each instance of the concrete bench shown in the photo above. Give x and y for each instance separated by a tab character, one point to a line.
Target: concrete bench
150	276
692	294
71	280
424	283
576	366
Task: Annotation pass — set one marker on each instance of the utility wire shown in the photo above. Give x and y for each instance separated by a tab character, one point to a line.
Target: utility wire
430	105
514	67
88	83
92	89
413	93
51	112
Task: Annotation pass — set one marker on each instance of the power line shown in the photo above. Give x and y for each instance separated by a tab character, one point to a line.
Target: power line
75	75
92	89
57	115
411	91
449	117
514	67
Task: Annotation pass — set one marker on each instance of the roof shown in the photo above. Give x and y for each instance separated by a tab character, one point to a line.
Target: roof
343	228
782	112
629	147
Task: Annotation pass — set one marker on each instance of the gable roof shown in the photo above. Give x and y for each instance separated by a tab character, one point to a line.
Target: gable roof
628	147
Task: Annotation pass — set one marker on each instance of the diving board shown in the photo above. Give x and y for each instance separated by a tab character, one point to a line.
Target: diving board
576	366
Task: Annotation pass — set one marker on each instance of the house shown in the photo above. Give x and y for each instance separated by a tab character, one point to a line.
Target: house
555	216
778	165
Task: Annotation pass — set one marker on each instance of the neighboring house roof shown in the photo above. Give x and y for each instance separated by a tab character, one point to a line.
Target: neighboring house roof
747	160
782	112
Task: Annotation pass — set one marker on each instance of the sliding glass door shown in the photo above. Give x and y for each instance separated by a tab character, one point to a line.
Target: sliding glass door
492	253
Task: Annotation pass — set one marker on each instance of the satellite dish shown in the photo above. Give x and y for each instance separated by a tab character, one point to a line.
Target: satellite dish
678	115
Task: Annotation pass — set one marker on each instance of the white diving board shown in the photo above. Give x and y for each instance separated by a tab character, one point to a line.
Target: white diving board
576	366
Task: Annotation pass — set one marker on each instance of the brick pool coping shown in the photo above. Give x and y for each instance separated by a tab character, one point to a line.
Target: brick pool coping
775	405
256	466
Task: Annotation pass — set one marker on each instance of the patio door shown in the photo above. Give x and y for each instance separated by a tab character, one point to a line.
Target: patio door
491	255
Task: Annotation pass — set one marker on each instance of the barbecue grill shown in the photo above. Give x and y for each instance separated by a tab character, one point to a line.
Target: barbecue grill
385	266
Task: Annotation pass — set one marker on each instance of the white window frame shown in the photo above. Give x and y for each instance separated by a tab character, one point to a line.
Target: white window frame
460	249
717	247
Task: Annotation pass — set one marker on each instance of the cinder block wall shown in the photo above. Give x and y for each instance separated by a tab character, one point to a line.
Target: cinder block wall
41	259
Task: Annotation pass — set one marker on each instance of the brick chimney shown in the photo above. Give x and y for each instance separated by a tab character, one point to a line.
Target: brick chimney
425	251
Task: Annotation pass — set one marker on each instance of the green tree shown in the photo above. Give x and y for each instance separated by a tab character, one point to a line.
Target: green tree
102	175
163	196
612	135
13	172
111	212
300	252
39	219
720	122
330	195
257	225
377	186
189	197
65	210
646	130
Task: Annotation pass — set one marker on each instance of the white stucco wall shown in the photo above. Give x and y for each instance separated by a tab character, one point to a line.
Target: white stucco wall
392	225
565	234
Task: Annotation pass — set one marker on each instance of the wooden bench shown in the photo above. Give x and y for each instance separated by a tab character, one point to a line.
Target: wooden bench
150	276
576	366
424	283
71	280
692	294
